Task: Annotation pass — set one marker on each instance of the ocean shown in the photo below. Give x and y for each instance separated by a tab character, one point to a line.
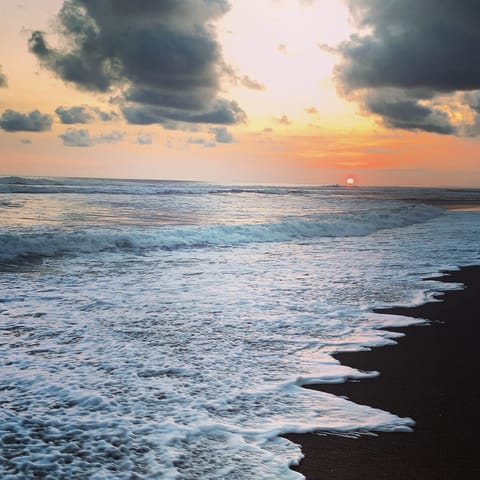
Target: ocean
164	330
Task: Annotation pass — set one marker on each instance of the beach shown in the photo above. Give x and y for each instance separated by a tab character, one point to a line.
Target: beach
430	376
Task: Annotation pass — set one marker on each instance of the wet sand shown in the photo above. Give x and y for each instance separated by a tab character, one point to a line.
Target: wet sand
432	376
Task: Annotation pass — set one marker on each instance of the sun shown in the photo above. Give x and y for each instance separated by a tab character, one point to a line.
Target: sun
350	181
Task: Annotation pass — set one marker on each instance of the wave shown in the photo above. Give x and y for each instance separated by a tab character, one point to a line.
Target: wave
54	243
90	186
118	190
8	204
12	180
34	185
31	185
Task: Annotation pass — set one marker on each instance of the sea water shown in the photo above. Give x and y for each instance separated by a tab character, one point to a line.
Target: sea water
164	330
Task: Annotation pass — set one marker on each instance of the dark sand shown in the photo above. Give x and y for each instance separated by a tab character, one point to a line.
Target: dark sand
432	376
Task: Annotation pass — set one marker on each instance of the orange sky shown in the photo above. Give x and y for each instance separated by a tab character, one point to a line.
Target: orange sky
299	129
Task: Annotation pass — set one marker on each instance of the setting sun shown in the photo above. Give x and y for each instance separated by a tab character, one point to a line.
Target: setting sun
350	181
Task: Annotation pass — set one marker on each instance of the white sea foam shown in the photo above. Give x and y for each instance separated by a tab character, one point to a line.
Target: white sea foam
128	372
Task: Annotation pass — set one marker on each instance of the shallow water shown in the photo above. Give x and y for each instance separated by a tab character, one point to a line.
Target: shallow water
164	329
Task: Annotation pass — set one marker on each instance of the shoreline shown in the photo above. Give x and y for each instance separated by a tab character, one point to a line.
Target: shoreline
428	375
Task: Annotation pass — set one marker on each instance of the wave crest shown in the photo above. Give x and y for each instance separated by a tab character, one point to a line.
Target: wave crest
49	244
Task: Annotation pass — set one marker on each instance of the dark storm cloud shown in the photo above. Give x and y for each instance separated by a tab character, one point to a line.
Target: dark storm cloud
472	99
3	78
81	138
12	121
427	44
175	100
164	51
221	111
420	50
408	115
83	114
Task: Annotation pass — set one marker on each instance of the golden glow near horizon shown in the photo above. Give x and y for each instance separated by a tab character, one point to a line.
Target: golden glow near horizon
299	129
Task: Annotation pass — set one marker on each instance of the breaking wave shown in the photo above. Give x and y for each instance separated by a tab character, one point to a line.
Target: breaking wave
31	185
361	223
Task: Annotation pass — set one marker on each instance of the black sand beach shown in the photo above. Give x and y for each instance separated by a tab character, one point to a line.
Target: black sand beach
431	375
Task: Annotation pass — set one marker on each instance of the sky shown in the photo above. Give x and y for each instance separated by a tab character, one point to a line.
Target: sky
242	91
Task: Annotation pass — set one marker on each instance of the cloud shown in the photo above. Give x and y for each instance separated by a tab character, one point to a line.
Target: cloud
408	114
222	135
73	115
76	138
328	48
283	120
81	138
472	99
106	116
144	139
220	112
201	141
246	81
112	137
25	141
83	114
414	50
311	111
12	121
3	78
164	55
